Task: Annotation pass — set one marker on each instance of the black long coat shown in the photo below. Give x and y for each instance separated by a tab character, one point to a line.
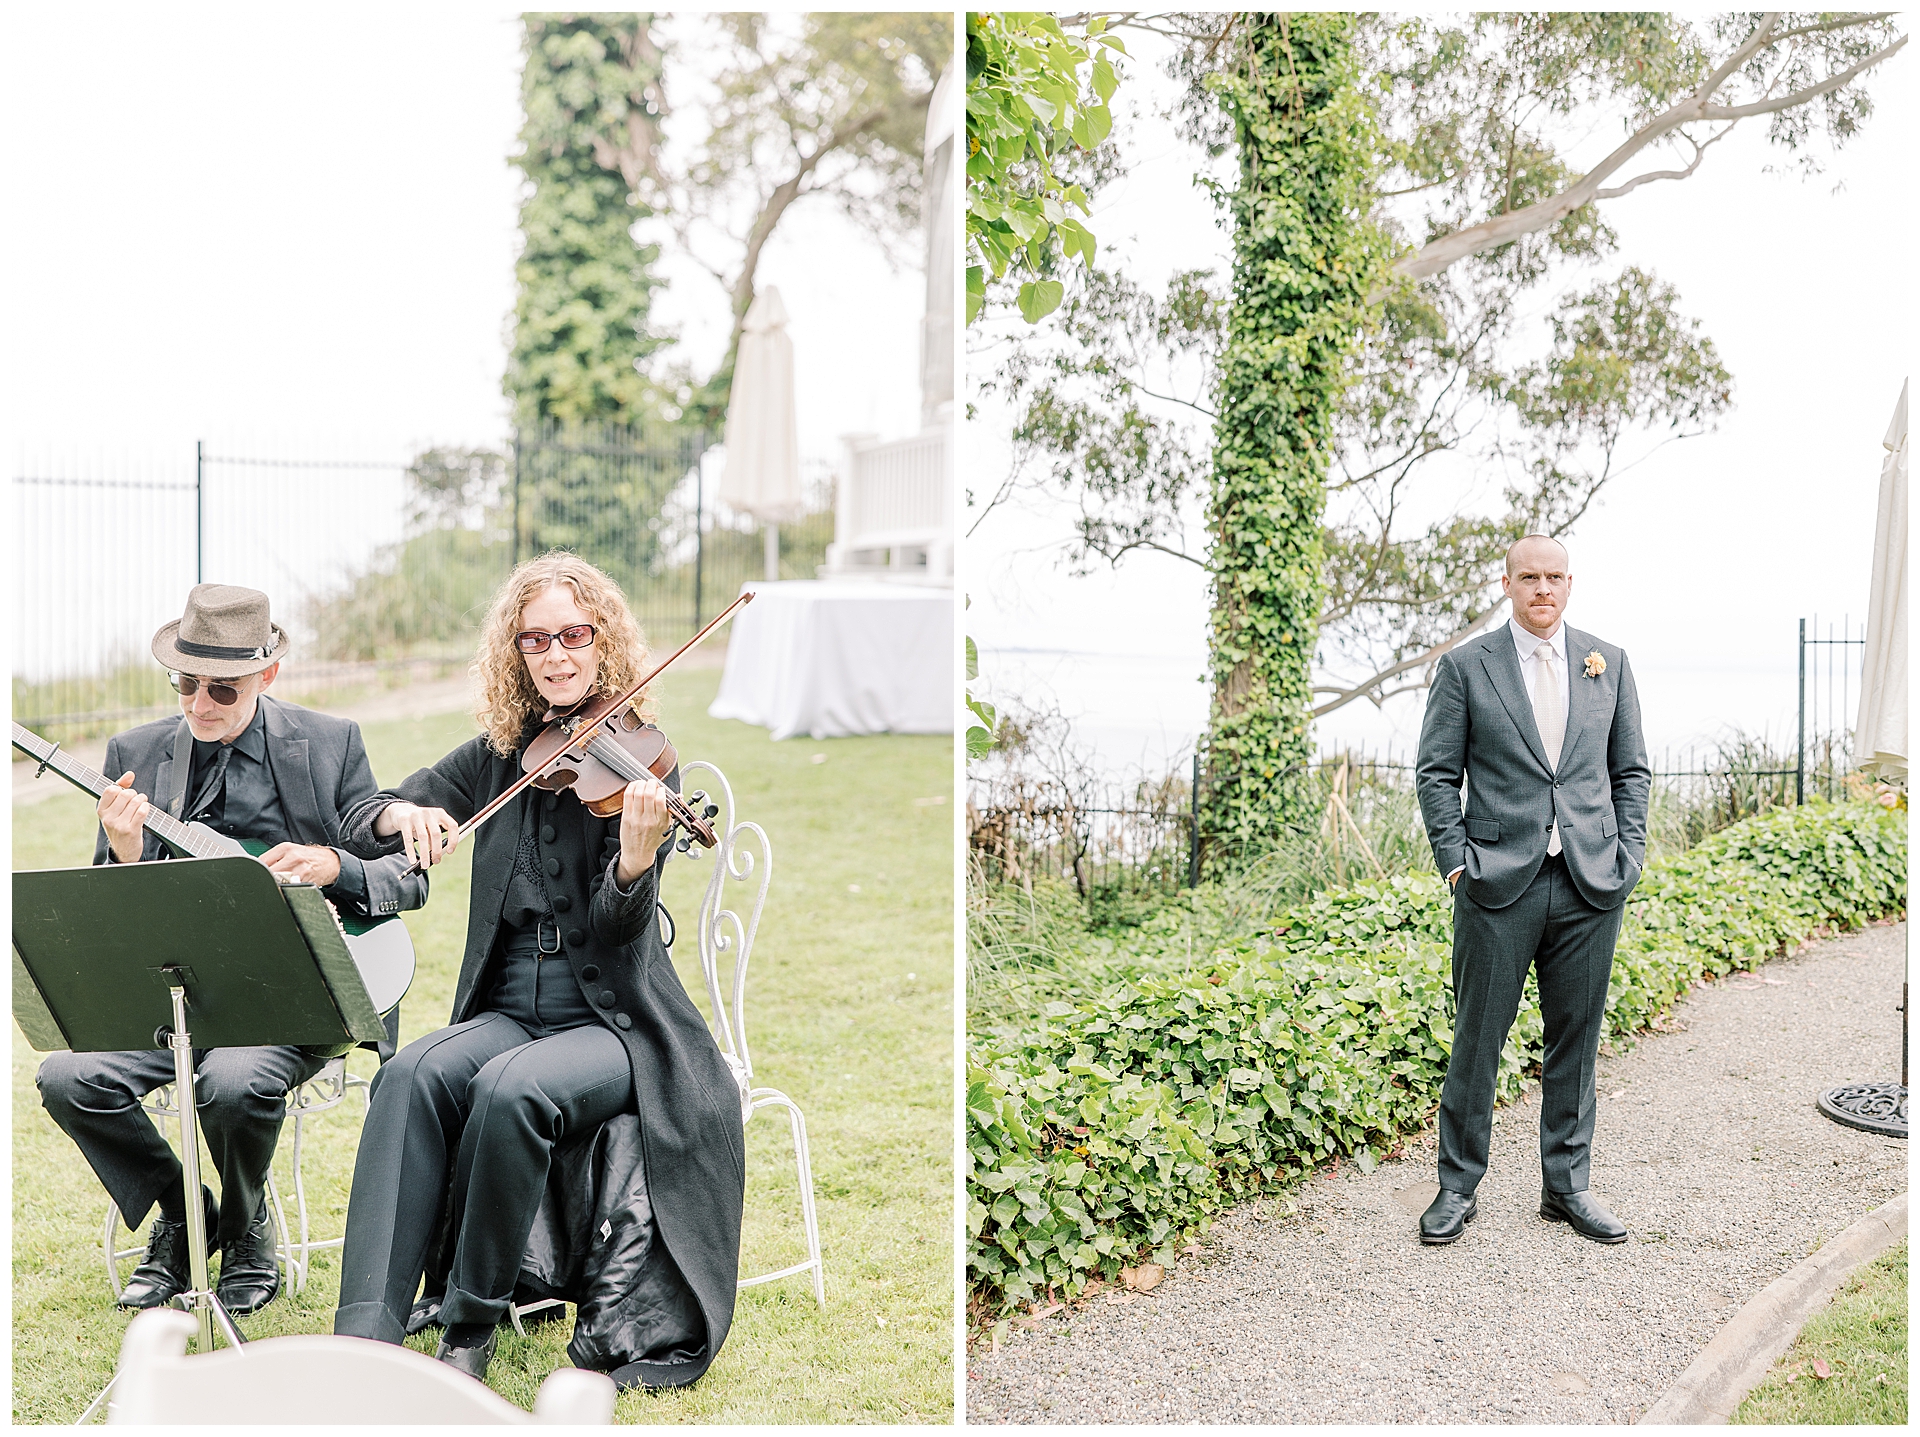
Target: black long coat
689	1104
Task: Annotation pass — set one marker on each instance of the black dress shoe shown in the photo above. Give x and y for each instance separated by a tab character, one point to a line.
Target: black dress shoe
250	1271
1584	1213
166	1272
470	1360
1446	1217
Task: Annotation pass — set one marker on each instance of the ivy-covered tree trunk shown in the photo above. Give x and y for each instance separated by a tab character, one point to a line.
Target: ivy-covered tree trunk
590	90
1305	256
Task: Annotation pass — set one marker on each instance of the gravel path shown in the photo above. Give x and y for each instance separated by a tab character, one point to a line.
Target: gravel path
1707	1146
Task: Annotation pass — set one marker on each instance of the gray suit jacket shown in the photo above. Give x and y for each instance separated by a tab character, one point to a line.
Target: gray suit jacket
320	770
1479	727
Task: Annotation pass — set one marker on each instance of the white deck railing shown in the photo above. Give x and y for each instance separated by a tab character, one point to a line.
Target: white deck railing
894	507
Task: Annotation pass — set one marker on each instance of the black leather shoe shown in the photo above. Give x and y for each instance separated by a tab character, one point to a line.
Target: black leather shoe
250	1272
165	1272
470	1360
1584	1213
1446	1217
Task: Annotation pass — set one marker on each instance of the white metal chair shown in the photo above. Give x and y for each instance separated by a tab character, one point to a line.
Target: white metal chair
745	857
321	1093
339	1380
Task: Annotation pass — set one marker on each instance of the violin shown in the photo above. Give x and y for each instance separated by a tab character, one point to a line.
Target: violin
615	765
617	749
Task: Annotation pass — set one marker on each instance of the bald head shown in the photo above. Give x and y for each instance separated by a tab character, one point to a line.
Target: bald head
1535	550
1539	582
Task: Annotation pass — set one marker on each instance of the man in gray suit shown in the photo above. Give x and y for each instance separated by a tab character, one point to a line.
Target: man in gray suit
1543	724
251	768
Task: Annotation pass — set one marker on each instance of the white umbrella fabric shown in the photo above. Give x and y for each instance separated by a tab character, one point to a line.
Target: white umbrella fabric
762	477
1880	732
1880	740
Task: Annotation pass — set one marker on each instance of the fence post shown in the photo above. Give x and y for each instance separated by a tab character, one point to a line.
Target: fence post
514	522
1193	828
199	511
1800	746
699	522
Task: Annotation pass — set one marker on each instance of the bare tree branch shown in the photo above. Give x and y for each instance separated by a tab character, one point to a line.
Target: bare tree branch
1501	229
1343	697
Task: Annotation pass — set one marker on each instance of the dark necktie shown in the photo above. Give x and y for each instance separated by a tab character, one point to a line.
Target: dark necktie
215	783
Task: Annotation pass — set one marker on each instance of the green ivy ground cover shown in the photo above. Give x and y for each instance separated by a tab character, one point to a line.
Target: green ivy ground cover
1114	1127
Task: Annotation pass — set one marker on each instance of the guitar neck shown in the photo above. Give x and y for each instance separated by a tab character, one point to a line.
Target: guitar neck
169	829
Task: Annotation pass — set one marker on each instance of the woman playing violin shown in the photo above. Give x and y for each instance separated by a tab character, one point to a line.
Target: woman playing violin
567	1011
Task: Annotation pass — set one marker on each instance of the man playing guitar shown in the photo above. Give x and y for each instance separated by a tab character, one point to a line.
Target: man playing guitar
250	768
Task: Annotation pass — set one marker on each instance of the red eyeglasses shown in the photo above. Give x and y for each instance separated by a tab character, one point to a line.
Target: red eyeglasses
536	641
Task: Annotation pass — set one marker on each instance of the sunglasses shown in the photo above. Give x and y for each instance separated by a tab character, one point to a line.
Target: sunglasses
536	641
186	685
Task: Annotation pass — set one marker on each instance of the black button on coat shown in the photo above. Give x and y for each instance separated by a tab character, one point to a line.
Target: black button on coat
689	1104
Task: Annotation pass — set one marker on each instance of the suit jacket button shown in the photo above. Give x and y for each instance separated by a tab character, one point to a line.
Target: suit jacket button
607	999
553	802
561	903
622	1021
576	937
547	833
1547	829
590	972
552	865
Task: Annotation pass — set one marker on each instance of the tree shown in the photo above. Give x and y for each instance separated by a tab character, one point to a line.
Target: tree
590	88
835	110
1305	258
1470	121
1037	104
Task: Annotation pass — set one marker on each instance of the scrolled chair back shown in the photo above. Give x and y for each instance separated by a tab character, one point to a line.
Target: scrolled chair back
742	869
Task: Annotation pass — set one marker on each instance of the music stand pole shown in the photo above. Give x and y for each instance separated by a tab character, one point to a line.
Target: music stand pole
200	1299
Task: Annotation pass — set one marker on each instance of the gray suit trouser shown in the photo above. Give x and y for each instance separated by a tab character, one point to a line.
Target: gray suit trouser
1550	927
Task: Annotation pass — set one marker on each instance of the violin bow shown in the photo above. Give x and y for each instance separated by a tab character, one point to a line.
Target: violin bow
586	733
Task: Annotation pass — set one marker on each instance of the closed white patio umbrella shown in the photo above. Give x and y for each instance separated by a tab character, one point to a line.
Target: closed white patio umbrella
1880	739
762	477
1880	733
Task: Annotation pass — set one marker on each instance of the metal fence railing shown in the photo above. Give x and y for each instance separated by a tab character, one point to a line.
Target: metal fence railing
1150	836
370	563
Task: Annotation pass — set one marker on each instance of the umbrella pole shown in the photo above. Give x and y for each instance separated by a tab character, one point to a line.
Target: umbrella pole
771	533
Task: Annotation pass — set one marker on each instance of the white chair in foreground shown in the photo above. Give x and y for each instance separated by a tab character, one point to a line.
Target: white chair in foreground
722	933
312	1380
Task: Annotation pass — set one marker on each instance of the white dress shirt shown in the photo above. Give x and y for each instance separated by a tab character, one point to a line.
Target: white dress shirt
1528	644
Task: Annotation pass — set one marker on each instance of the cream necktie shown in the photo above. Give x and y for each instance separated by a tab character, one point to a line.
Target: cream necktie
1549	718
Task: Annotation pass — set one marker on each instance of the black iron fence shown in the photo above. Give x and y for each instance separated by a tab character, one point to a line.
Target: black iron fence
372	564
1150	836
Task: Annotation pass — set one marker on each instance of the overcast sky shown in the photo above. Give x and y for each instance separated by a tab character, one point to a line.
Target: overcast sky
1698	562
292	232
300	224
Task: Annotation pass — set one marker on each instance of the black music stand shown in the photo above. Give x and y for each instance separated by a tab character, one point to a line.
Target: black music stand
116	956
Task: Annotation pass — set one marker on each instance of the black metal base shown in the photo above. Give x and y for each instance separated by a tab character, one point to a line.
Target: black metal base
1872	1107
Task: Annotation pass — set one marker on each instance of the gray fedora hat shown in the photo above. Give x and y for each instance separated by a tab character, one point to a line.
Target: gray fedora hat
226	633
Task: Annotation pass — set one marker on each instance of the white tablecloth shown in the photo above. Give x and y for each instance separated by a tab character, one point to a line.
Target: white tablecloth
833	658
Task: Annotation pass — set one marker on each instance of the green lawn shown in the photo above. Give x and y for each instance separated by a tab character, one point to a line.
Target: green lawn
1862	1340
850	1011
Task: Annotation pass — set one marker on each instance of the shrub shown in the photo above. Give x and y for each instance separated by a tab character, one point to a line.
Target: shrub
1115	1126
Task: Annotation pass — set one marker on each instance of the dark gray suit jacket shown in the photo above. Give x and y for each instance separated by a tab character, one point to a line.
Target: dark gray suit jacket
1479	726
320	770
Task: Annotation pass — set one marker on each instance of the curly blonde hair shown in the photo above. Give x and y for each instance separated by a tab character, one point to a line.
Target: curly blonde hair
509	702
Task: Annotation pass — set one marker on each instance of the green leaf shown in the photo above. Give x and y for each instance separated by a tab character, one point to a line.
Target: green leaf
1040	298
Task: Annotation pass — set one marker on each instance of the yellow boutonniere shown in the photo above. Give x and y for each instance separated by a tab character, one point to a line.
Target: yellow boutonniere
1596	665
